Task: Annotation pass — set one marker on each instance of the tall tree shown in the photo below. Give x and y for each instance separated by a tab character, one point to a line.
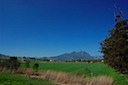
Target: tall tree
115	47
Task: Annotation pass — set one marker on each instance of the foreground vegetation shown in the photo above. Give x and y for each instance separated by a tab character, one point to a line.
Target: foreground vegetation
78	72
88	69
60	78
15	79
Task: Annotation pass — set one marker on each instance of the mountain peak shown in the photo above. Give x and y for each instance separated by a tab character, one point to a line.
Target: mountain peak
73	56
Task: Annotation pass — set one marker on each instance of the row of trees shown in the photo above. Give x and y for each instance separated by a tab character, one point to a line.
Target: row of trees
13	63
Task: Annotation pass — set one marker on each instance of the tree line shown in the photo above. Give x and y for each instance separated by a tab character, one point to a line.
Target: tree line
12	63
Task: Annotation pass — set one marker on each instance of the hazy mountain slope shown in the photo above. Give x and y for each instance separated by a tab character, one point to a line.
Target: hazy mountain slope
73	56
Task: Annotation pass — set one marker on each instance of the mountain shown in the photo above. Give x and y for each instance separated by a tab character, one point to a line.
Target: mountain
2	55
73	56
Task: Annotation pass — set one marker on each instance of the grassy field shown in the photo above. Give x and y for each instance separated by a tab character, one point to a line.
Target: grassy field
15	79
88	69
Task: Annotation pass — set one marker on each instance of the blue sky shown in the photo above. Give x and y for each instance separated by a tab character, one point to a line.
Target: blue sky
52	27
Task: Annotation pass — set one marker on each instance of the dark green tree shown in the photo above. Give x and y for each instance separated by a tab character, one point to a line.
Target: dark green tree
35	67
13	63
27	63
115	47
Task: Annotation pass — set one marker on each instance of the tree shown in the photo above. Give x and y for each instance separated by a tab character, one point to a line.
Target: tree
27	63
13	63
115	47
35	67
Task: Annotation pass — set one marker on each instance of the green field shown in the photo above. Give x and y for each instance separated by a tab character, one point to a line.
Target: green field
15	79
88	69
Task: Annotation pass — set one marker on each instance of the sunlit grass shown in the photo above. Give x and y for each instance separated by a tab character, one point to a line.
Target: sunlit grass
15	79
88	69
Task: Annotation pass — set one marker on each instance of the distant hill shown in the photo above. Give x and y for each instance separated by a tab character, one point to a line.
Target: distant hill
6	56
73	56
81	55
2	55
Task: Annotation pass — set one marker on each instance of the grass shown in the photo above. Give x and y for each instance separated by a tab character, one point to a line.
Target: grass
61	78
88	69
73	79
15	79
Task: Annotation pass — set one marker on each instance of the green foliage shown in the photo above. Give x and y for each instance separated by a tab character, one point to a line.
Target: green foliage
14	79
10	63
35	67
88	69
27	63
13	63
115	47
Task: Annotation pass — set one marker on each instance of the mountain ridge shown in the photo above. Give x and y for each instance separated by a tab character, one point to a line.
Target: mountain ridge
81	55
